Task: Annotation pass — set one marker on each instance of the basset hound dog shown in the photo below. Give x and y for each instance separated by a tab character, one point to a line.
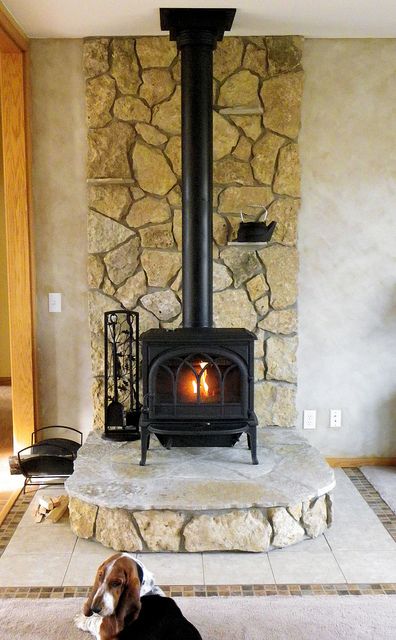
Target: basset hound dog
125	603
120	582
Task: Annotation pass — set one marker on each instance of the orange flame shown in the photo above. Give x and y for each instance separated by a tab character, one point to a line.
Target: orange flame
204	387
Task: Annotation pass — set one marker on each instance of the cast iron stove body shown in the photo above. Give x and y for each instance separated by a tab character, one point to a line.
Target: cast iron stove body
198	380
198	388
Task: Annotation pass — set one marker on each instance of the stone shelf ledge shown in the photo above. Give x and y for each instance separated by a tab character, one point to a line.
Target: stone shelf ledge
99	181
201	499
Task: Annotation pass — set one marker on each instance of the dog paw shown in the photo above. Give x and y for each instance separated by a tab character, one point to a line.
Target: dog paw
81	621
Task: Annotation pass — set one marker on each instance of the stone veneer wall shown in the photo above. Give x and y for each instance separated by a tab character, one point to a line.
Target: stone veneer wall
226	530
134	176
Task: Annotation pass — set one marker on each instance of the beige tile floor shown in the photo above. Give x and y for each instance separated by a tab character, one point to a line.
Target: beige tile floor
356	549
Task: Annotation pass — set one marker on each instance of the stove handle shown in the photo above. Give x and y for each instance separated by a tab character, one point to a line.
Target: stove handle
146	401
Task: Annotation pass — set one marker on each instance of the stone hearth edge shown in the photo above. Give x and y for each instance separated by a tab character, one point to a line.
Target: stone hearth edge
201	499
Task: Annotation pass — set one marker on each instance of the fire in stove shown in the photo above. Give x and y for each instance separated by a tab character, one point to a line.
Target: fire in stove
203	382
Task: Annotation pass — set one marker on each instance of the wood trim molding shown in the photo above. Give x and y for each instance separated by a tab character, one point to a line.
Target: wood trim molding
17	214
12	38
5	382
15	118
361	462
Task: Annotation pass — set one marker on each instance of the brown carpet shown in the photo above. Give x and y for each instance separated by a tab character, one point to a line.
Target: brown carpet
266	618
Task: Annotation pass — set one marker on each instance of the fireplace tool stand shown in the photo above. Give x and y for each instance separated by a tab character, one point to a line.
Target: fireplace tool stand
121	350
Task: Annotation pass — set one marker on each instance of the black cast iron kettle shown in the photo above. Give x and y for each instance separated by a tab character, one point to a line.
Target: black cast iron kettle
255	232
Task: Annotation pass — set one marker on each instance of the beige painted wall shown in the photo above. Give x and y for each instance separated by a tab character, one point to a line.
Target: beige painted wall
347	242
59	193
5	362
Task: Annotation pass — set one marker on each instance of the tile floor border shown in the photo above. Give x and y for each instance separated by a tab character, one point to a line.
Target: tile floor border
13	518
383	512
211	591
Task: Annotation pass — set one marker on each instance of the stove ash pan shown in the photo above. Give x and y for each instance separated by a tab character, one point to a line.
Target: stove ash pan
198	388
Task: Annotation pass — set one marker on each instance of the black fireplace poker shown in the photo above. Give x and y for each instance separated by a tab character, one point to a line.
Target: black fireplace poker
196	32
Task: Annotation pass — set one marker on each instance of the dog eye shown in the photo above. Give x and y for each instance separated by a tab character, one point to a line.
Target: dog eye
115	584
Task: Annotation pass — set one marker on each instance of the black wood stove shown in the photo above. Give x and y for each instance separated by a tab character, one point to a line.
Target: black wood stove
198	380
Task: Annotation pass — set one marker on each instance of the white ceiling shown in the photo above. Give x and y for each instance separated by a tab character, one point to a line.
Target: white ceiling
311	18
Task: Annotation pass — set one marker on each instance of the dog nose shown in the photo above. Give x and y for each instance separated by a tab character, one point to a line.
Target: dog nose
96	609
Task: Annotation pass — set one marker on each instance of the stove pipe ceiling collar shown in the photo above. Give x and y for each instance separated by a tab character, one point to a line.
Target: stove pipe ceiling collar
197	32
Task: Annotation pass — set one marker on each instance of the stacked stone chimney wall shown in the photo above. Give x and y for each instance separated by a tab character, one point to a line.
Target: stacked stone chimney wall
134	193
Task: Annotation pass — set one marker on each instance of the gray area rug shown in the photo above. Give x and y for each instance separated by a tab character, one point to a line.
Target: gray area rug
258	618
383	480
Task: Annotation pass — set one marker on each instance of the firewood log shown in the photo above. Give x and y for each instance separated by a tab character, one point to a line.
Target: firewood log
59	511
15	469
46	503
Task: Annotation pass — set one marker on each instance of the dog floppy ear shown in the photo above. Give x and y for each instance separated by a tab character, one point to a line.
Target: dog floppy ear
87	611
129	604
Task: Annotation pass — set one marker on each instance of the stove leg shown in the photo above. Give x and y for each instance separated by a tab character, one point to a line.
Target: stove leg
144	441
252	441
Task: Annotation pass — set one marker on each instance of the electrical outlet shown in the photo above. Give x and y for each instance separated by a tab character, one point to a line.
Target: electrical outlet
335	418
55	302
309	421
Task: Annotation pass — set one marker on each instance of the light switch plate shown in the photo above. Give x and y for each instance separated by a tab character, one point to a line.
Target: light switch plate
55	302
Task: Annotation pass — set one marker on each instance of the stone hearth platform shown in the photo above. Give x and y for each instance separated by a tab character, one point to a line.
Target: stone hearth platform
201	499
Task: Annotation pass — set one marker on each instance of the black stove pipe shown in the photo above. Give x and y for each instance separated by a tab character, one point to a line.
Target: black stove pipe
196	32
197	177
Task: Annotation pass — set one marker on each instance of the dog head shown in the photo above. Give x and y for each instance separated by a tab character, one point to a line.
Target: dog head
116	590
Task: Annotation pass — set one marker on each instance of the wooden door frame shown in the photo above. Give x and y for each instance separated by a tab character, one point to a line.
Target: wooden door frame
15	117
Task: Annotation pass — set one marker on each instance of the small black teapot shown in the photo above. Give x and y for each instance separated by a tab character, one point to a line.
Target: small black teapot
255	232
